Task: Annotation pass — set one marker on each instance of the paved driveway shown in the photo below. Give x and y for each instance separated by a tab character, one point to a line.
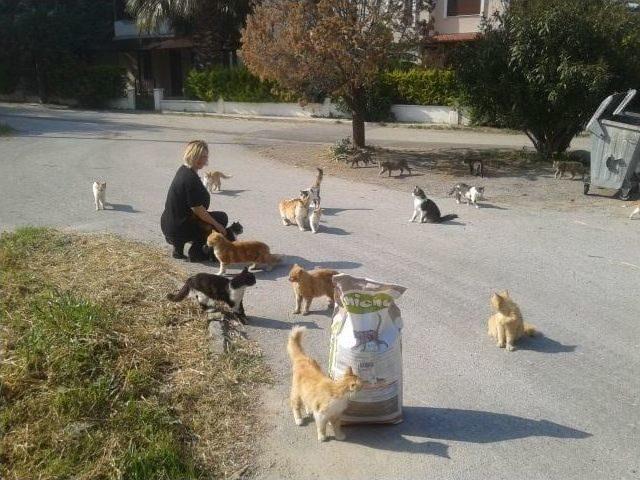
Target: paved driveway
565	405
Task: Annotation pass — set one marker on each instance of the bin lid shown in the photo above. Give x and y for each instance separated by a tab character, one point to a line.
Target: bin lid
612	106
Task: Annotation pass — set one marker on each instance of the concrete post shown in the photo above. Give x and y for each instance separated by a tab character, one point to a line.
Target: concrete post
158	96
220	105
131	98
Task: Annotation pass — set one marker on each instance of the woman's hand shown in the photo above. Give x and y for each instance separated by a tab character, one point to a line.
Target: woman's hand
203	215
220	229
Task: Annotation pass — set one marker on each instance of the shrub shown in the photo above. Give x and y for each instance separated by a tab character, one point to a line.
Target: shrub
375	103
419	86
98	84
234	85
7	79
92	86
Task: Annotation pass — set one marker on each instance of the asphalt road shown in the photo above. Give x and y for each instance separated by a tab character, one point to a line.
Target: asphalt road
565	405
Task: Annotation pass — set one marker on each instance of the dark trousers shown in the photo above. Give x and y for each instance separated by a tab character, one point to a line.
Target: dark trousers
193	232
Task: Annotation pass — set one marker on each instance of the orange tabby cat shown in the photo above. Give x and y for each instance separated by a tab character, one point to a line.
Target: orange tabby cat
212	179
251	252
311	284
295	210
310	388
506	325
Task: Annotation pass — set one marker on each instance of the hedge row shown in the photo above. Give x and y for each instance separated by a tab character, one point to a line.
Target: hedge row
91	85
421	86
415	86
234	85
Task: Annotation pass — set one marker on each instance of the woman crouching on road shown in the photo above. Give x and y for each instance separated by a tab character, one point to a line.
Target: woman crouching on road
185	210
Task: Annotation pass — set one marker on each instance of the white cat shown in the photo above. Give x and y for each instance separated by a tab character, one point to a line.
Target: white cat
99	194
473	195
314	219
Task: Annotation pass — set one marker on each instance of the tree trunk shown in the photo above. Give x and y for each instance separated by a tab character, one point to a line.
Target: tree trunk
357	124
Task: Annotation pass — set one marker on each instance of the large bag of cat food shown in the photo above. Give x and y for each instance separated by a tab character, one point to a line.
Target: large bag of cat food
366	335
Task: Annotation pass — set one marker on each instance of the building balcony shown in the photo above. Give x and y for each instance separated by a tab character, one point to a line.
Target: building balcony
127	29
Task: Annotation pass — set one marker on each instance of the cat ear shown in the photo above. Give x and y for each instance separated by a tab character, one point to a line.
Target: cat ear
349	371
245	269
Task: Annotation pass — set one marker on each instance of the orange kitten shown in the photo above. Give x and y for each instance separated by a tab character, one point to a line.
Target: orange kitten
507	326
295	210
311	284
310	388
250	252
212	180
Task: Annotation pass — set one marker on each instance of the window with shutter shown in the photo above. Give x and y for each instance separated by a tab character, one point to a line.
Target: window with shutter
463	7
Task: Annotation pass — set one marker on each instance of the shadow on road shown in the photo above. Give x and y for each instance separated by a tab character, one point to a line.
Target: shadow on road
282	269
456	425
332	230
262	322
489	205
121	207
543	344
335	211
230	193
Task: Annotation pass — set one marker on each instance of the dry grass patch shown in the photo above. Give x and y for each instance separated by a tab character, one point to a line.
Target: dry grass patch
100	377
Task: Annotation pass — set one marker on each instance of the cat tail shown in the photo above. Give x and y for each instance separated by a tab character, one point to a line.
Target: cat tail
319	177
222	175
180	294
294	347
447	217
529	330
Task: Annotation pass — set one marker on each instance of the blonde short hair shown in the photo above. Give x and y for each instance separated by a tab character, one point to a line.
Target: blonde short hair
195	149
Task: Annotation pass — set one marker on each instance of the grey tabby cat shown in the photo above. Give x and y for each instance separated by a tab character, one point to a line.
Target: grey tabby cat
314	190
470	195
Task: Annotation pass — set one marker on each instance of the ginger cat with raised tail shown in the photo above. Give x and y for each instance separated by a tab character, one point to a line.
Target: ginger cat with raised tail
506	325
311	284
242	252
326	399
212	180
295	210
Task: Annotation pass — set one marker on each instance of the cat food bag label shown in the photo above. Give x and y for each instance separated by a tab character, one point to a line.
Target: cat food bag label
366	335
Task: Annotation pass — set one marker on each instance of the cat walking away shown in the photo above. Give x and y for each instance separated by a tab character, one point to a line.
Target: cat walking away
314	391
311	284
391	165
207	288
314	190
426	209
212	180
574	168
506	325
99	194
636	211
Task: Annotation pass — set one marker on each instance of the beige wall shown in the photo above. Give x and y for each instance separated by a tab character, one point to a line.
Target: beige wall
462	24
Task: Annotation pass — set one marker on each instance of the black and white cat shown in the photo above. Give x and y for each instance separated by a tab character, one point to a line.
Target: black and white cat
206	288
470	194
427	209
